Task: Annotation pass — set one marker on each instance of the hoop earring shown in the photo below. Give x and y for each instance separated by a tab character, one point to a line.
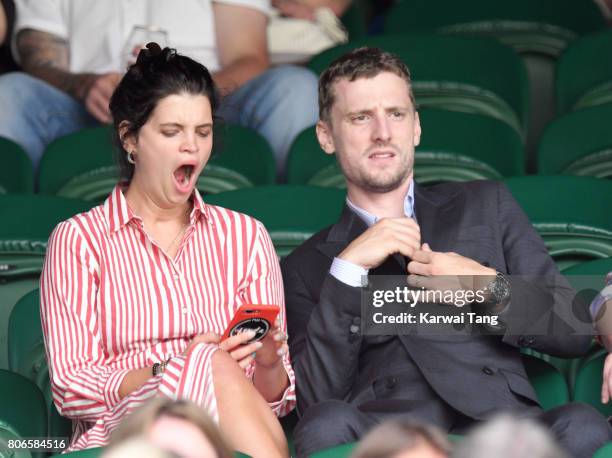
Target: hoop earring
130	157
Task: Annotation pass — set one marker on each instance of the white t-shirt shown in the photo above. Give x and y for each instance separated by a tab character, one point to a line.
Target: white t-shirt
97	30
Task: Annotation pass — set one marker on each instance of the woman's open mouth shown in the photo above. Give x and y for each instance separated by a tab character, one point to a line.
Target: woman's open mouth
183	177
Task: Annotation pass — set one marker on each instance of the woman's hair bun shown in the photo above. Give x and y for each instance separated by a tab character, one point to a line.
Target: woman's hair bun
148	53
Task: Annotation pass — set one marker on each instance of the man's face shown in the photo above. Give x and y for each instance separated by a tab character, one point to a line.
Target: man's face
373	129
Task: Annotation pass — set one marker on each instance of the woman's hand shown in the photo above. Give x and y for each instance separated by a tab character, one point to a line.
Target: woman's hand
274	347
239	350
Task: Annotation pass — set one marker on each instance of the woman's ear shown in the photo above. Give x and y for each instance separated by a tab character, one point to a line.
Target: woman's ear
128	140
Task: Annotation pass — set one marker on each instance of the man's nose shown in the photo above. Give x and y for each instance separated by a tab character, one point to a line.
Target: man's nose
382	130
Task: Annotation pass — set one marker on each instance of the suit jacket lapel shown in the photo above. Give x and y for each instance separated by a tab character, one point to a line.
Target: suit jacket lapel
347	229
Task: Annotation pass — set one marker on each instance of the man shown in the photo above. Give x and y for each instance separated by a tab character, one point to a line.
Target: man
347	382
75	51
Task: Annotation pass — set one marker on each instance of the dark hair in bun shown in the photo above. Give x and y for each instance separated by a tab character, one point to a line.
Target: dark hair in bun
156	74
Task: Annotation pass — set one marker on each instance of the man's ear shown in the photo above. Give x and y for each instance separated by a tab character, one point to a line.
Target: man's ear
324	135
128	141
417	129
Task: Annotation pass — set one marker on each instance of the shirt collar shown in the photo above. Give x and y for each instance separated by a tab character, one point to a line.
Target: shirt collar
118	213
371	219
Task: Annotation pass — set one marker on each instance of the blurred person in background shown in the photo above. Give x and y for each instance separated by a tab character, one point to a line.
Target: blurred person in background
509	437
401	438
601	311
140	447
136	293
7	19
179	427
75	51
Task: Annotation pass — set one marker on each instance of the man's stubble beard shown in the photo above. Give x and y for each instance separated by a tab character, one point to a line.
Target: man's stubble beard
384	181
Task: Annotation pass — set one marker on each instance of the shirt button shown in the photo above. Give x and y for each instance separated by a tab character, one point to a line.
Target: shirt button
354	329
184	310
176	276
487	370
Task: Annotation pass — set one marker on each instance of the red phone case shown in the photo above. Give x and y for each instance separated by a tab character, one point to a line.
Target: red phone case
258	317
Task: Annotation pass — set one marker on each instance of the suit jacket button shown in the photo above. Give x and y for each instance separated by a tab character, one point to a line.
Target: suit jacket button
354	329
391	382
530	341
487	370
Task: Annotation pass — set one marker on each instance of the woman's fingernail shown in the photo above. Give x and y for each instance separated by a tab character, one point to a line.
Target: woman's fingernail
250	333
253	355
258	345
281	351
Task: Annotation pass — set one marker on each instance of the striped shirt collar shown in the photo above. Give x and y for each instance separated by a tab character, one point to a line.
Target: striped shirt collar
371	219
118	212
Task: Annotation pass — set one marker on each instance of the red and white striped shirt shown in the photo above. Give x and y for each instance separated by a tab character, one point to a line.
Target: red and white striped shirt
113	301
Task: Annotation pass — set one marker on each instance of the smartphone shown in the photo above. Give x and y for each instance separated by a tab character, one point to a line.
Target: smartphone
257	317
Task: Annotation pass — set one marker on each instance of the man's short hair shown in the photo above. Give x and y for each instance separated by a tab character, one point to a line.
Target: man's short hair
359	63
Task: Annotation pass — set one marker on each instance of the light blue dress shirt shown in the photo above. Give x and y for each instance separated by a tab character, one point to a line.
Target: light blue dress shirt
353	274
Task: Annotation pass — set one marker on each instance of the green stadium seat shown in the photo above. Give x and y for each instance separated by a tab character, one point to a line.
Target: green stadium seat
469	74
604	452
241	158
27	222
22	406
579	143
340	451
537	29
454	147
291	214
93	452
539	26
588	383
8	433
16	173
27	356
354	19
572	214
584	73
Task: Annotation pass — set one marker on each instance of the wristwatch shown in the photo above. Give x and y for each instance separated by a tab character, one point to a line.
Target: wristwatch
159	368
498	290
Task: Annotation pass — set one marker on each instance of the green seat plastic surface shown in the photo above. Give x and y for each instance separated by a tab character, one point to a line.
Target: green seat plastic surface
572	214
27	222
241	158
579	143
27	356
291	214
469	74
604	452
341	451
588	383
16	173
454	147
584	73
8	433
538	26
22	406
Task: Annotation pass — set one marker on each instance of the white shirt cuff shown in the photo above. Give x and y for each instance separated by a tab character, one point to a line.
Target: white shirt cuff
347	272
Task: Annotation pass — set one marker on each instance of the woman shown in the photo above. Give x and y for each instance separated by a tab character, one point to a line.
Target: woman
136	292
179	427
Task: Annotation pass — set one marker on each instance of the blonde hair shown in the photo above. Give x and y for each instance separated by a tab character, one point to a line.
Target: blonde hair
142	420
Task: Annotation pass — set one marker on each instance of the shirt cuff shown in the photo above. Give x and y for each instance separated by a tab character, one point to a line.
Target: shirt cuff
287	401
347	272
111	387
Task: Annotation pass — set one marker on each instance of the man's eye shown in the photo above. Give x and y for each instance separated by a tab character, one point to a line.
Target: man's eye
397	114
360	118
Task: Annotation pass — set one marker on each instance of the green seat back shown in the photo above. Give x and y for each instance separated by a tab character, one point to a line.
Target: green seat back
572	214
604	452
16	173
241	158
291	214
579	143
340	451
354	19
27	356
454	147
588	383
93	452
584	73
27	222
22	406
470	74
539	26
549	384
8	433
